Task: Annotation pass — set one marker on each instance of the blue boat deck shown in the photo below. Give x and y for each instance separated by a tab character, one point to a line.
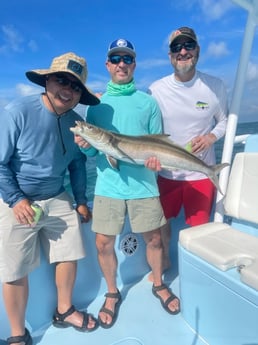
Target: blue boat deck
142	321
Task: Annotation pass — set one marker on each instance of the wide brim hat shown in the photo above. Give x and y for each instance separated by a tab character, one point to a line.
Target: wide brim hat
184	31
67	63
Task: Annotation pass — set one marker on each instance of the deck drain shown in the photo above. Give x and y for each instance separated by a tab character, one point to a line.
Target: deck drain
129	244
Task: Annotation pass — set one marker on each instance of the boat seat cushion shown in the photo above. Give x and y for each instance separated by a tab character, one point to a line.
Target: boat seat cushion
241	199
219	243
224	247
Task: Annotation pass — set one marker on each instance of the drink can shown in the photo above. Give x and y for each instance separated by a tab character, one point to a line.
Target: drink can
37	213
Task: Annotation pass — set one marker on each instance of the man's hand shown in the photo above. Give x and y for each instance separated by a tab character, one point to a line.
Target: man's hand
202	142
153	164
23	212
84	212
81	142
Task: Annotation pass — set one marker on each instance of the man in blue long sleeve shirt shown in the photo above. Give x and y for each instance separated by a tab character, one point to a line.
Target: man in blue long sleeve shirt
36	149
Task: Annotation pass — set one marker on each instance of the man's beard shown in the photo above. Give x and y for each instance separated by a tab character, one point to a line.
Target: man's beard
186	68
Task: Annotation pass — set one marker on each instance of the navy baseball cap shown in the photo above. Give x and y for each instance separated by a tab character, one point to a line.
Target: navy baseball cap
121	45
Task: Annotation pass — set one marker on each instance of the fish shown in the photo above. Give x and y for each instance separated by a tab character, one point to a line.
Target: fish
137	149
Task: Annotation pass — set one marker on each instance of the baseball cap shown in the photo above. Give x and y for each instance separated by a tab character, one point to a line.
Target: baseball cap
121	45
184	31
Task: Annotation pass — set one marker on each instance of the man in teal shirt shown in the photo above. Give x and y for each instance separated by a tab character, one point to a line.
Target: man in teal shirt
131	189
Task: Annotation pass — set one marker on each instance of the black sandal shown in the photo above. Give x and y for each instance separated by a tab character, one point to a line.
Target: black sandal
165	303
114	313
26	338
59	320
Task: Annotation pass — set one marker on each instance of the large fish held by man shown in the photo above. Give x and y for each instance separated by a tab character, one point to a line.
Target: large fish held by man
136	149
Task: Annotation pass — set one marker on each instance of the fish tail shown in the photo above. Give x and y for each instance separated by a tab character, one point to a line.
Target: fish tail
214	177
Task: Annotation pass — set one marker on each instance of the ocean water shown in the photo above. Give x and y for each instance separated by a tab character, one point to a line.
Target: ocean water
243	128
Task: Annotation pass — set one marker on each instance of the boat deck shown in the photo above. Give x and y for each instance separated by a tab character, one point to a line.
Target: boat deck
141	320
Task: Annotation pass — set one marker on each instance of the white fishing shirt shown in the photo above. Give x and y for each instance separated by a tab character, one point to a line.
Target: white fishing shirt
189	109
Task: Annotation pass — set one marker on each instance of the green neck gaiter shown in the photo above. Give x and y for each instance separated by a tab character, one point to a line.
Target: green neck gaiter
120	90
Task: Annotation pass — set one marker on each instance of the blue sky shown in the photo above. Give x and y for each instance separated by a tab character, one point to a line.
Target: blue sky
32	32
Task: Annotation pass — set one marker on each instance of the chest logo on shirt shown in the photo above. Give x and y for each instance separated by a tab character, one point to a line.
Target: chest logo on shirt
201	105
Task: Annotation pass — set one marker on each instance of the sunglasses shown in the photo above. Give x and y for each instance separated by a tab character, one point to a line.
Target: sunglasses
64	81
176	48
116	59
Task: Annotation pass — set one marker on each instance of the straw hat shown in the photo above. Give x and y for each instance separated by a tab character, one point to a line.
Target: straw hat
68	63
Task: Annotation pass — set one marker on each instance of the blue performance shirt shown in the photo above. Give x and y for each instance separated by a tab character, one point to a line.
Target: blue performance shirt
36	149
132	114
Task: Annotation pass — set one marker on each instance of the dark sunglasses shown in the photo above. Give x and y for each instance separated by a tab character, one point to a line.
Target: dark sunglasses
64	81
176	48
116	59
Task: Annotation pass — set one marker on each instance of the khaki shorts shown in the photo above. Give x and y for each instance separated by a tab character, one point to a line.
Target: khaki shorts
109	214
58	231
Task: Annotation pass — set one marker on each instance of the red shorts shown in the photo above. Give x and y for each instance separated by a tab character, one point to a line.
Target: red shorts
196	197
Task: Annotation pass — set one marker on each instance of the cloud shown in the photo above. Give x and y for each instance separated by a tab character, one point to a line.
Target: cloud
26	90
33	45
214	9
217	50
211	10
13	39
152	63
252	72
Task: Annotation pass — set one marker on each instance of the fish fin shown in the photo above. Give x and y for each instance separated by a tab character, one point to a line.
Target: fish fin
218	167
112	162
156	136
161	137
214	178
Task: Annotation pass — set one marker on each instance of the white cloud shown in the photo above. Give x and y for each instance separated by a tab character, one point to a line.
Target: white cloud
217	50
14	41
33	45
152	63
252	72
12	38
26	90
210	9
214	9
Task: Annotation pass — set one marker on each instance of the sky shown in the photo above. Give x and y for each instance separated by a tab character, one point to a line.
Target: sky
33	32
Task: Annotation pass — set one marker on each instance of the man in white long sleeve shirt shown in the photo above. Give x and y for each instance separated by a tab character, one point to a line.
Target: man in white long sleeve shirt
194	110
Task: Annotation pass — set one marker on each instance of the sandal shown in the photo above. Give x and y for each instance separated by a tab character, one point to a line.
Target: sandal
165	303
59	320
114	313
26	338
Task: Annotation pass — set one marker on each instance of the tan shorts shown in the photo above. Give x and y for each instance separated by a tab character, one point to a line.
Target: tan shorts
58	231
109	215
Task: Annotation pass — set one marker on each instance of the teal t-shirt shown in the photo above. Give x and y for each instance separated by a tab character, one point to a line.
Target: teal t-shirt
125	110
